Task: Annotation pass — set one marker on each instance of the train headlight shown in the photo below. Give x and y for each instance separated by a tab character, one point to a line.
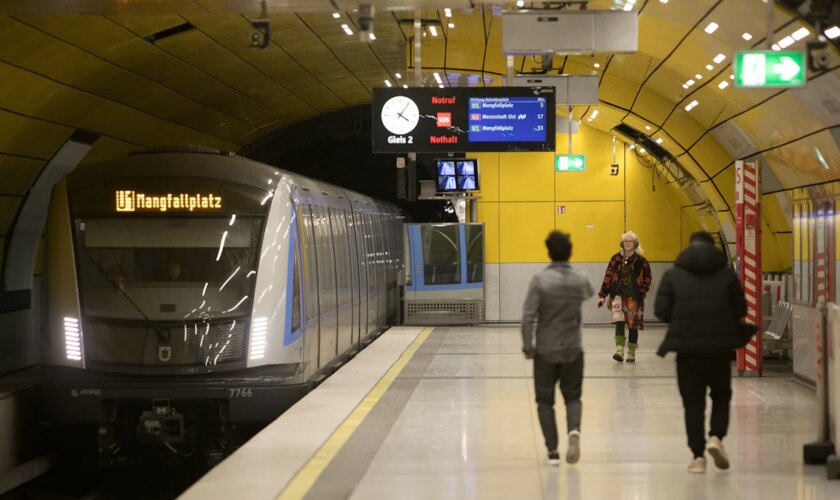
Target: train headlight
259	337
72	339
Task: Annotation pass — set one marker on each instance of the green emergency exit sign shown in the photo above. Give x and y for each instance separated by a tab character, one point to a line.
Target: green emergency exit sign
770	68
569	163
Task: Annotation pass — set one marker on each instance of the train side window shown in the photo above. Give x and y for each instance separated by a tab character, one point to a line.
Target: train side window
359	235
352	250
296	293
326	259
379	249
370	253
342	254
309	270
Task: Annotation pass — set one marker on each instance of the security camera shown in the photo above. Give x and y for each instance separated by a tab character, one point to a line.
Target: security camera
261	37
817	56
365	20
613	168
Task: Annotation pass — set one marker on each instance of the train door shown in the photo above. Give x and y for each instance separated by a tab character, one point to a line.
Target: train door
327	294
310	290
343	281
352	250
372	277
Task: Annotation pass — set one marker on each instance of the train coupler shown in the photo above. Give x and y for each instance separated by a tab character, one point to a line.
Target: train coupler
162	425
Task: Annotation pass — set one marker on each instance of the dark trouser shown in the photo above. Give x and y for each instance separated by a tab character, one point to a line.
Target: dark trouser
634	332
546	376
695	372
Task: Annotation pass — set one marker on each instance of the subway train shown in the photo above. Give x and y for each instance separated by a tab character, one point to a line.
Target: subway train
194	295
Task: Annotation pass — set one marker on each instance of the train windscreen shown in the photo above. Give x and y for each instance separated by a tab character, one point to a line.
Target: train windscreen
167	278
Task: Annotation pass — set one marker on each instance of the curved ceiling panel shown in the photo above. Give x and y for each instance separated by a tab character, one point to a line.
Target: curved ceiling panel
186	74
800	164
18	174
710	152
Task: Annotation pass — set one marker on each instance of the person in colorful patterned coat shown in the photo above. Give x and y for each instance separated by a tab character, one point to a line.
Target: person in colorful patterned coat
626	283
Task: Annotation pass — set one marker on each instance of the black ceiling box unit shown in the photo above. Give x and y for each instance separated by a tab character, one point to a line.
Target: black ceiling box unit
572	90
461	119
569	31
645	141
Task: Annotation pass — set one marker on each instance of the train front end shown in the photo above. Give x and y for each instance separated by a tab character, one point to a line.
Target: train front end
167	292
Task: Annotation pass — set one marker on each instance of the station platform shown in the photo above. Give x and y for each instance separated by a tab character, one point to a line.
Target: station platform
449	412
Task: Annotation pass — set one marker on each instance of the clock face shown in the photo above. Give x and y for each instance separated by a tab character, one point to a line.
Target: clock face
400	115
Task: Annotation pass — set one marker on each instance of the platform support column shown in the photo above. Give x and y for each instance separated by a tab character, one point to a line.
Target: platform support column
748	247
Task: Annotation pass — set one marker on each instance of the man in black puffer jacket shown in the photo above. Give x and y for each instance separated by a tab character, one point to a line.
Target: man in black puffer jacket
702	301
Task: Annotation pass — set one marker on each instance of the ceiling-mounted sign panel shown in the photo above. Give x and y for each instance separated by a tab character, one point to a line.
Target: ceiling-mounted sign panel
570	89
540	31
429	120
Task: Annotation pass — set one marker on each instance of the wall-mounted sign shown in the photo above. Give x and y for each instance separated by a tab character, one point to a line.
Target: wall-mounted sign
463	119
770	68
132	201
569	163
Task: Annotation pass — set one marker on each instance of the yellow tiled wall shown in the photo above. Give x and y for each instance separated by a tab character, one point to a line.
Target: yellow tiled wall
521	194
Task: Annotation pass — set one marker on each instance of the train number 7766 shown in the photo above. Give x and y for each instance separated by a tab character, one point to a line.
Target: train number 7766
241	392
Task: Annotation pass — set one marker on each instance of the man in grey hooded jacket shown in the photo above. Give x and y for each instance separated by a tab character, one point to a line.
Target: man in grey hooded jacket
553	305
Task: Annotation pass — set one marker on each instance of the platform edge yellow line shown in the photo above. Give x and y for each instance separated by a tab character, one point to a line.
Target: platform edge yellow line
301	483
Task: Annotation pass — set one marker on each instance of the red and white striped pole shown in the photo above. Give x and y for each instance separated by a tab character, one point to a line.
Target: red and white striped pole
818	452
748	247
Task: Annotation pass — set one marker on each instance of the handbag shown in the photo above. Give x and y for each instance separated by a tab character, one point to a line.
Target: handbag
746	331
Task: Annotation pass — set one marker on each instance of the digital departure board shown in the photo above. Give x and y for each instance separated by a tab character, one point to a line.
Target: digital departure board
503	119
497	119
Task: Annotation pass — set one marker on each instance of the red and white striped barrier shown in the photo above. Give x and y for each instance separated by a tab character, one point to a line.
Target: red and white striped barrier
748	245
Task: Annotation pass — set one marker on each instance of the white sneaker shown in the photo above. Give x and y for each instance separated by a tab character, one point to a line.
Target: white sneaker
715	449
697	466
553	458
573	450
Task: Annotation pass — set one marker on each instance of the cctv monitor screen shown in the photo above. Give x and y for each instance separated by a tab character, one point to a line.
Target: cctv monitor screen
447	183
457	175
467	183
465	167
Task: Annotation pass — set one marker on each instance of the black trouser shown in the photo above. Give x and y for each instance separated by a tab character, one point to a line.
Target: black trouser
696	372
546	376
634	332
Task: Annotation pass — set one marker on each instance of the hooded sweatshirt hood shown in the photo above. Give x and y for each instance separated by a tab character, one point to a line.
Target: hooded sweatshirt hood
701	257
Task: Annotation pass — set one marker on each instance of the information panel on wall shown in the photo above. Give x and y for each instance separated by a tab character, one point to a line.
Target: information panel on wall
497	119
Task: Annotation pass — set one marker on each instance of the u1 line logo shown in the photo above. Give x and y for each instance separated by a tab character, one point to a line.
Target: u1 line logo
125	201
